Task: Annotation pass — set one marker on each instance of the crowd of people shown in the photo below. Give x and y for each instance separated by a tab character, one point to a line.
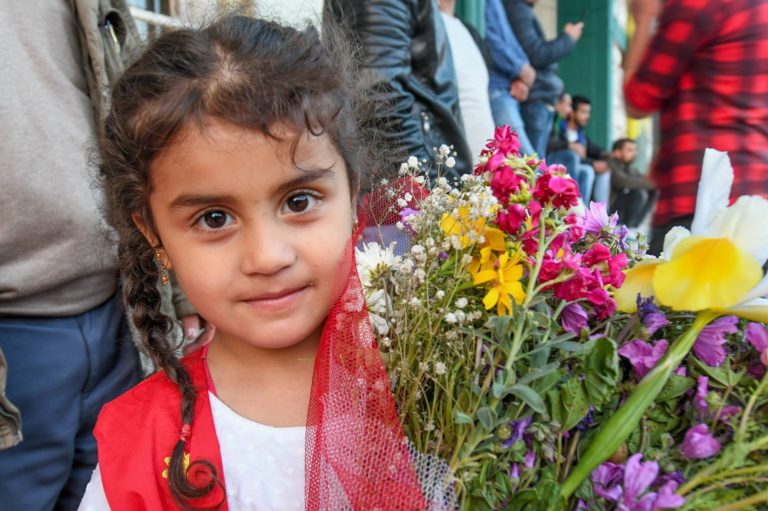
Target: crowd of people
65	340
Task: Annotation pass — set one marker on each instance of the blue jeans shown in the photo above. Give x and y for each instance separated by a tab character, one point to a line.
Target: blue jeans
61	371
601	192
537	118
506	110
582	173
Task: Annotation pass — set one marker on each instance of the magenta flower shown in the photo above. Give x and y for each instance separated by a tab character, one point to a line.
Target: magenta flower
606	481
505	182
643	356
638	478
667	498
530	460
574	318
700	399
757	335
709	345
596	218
699	443
652	317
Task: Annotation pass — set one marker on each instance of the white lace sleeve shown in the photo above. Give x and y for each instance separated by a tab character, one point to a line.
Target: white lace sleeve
94	499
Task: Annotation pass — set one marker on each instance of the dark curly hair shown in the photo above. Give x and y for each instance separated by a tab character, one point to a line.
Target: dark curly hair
251	73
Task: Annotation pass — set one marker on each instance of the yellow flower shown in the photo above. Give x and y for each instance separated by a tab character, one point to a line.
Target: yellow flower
716	266
504	276
469	231
168	462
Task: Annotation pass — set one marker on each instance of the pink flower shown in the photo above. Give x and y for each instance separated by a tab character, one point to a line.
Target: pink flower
700	399
709	345
510	219
699	443
558	190
505	140
504	183
757	335
596	218
643	356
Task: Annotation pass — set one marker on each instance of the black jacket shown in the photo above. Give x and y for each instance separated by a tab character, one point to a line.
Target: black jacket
406	47
543	55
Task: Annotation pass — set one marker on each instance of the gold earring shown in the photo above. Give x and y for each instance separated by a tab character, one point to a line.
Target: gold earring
163	268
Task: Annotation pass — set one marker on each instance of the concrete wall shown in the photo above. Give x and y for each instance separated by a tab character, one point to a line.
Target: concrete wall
546	11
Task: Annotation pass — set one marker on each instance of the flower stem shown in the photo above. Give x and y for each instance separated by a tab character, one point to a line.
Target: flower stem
751	404
742	504
618	428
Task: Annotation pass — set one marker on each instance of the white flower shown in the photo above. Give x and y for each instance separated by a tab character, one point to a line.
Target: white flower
384	182
417	250
440	294
445	150
400	226
450	162
451	318
403	169
440	368
401	203
413	162
373	259
420	180
379	324
415	302
461	316
408	197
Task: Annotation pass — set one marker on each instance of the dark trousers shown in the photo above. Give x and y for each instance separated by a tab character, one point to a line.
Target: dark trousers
658	233
633	205
60	373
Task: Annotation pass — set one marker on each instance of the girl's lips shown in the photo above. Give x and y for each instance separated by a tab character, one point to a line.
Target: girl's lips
276	301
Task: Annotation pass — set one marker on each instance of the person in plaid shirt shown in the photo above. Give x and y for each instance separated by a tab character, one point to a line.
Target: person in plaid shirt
706	70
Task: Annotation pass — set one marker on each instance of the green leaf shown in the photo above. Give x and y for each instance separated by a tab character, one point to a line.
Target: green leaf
528	395
461	418
542	385
539	373
556	410
497	389
676	386
487	417
602	371
574	401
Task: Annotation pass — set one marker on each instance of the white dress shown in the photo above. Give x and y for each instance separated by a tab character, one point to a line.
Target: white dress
263	465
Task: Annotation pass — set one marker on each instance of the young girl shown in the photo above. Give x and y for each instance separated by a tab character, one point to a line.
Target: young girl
230	155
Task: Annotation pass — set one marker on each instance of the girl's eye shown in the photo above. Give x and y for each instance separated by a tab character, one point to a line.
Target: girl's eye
213	220
300	202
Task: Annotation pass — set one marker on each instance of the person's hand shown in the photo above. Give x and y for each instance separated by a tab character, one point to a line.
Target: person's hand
574	30
197	333
600	166
645	10
578	149
527	74
519	90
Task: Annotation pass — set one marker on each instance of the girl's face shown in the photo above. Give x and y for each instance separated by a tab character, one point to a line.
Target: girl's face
255	242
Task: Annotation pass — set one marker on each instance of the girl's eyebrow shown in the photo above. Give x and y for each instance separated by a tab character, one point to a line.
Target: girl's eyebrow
196	200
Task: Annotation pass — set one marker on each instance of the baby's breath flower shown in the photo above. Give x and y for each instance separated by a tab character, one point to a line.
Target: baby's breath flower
440	294
417	250
385	182
450	162
401	202
430	426
461	316
400	226
403	169
414	302
408	196
461	302
440	368
451	318
413	162
420	180
445	150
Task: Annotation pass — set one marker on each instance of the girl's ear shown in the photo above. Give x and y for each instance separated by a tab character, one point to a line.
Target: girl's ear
141	225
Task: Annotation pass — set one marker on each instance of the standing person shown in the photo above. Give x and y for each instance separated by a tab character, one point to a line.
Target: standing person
232	154
539	109
62	328
574	136
561	152
471	67
704	69
511	75
405	49
632	194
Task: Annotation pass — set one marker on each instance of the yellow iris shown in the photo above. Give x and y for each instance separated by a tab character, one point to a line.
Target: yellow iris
504	276
470	231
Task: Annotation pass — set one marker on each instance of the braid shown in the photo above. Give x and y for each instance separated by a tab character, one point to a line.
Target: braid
143	298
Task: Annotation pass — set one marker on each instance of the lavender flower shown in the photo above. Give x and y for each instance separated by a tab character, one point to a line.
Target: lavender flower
638	478
596	218
518	430
530	460
666	498
643	356
652	317
709	345
606	479
700	399
699	443
405	217
757	335
574	318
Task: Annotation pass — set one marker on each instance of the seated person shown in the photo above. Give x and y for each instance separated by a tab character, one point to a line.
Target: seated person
560	152
632	194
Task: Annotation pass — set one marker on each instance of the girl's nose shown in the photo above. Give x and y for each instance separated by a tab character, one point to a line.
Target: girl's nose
266	248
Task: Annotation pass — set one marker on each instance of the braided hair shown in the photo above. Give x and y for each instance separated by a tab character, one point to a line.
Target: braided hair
248	72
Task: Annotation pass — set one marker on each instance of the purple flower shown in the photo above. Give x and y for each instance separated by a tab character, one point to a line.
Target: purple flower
727	412
757	335
651	316
530	459
666	498
574	318
606	479
596	217
622	232
699	443
514	472
709	345
443	256
638	477
405	218
518	430
643	356
700	399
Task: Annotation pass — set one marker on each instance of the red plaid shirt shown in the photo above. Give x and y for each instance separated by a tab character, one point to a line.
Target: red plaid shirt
707	71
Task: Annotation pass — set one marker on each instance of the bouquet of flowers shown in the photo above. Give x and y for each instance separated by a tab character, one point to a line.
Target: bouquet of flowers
552	364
